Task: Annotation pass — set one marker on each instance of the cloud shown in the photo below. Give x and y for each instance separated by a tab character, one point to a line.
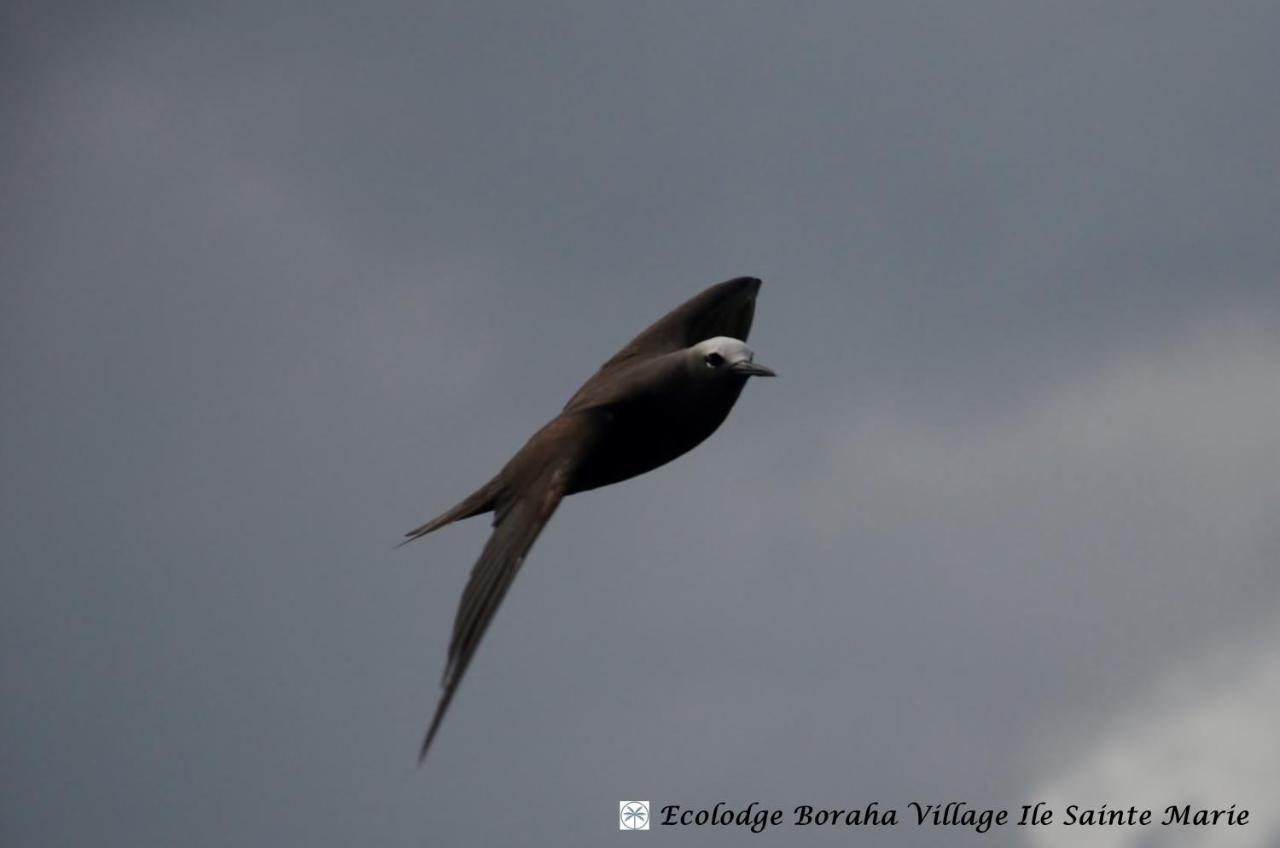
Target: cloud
1203	734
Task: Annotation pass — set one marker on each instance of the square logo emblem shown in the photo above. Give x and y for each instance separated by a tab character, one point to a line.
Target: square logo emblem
633	815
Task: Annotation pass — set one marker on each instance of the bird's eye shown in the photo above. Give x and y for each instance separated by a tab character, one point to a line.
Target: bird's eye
715	360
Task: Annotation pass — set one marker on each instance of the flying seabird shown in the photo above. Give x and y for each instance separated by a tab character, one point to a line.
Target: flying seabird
657	398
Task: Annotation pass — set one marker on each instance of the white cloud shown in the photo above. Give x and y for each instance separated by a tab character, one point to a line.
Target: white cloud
1206	734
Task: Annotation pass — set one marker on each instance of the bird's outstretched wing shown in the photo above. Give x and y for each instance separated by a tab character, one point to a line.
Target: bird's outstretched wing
725	309
532	486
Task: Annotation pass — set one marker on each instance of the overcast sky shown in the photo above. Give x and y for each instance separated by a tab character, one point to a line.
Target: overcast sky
283	280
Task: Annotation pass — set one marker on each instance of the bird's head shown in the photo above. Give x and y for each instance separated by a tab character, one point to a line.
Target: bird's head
722	356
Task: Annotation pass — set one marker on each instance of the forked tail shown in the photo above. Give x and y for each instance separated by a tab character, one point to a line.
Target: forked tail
480	501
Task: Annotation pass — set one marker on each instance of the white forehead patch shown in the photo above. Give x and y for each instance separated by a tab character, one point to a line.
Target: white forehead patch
732	350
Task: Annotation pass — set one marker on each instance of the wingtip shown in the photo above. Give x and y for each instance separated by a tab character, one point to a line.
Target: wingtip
427	740
426	746
752	283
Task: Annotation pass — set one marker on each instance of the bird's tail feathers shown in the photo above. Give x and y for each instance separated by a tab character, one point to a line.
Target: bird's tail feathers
480	501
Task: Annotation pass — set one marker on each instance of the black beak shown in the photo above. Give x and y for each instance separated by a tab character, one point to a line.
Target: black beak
751	369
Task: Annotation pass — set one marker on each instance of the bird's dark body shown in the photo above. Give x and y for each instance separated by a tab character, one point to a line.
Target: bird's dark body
652	402
650	432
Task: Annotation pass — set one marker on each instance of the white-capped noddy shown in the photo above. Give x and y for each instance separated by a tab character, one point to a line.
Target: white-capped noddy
657	398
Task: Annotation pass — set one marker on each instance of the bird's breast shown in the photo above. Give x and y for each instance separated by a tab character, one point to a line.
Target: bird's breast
642	435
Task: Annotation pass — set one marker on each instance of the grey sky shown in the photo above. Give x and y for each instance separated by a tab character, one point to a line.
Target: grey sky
282	281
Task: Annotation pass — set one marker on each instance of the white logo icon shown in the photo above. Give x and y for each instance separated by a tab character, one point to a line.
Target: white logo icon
633	815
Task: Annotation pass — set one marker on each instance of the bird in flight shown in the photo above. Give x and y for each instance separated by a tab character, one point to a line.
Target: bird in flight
657	398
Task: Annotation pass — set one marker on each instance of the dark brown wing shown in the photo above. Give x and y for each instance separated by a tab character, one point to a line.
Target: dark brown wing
532	486
725	309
